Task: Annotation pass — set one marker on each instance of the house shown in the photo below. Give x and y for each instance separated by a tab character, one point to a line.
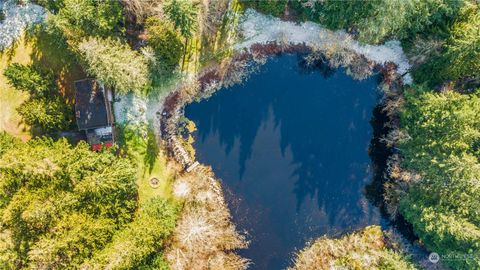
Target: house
93	111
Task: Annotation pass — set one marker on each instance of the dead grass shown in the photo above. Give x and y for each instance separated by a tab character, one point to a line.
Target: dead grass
369	248
204	237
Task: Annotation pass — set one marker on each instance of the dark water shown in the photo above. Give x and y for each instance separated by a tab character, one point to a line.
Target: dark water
291	147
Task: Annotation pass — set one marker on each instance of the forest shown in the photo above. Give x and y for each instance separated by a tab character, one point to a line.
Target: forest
63	206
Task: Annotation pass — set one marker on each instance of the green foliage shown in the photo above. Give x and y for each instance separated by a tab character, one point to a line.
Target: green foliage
460	57
44	109
29	79
373	20
444	147
183	15
275	8
59	203
463	47
51	5
80	18
402	19
343	14
132	246
7	141
49	114
165	41
70	241
115	64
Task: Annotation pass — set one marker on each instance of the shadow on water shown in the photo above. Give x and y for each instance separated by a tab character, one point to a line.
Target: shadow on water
291	146
379	153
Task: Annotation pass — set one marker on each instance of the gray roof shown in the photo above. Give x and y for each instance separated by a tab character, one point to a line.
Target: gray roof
92	109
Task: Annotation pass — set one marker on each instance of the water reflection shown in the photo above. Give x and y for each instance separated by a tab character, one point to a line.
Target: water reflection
291	146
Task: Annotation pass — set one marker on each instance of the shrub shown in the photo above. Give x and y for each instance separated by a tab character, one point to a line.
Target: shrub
365	249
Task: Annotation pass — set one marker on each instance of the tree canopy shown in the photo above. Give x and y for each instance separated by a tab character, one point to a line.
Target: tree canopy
183	15
45	108
60	203
443	147
80	18
115	64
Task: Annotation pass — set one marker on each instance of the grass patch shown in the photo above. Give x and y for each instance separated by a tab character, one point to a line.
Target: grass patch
10	98
140	144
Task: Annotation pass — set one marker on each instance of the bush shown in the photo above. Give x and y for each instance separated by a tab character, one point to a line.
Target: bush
365	249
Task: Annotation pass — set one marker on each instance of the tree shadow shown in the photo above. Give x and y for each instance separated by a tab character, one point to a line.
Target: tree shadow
51	53
152	150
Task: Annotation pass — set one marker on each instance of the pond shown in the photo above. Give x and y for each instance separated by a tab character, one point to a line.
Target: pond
291	146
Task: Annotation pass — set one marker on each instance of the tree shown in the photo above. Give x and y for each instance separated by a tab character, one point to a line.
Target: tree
141	239
443	147
183	15
165	41
462	54
7	142
30	79
49	114
114	63
60	203
45	108
80	18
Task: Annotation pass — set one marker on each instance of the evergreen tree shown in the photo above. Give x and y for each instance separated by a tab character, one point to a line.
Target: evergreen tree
80	18
60	203
28	79
49	114
165	41
443	147
115	64
183	15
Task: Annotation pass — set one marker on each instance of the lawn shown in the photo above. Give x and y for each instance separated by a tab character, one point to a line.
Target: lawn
140	144
10	98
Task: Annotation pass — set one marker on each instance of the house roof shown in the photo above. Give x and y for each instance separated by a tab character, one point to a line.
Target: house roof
92	109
